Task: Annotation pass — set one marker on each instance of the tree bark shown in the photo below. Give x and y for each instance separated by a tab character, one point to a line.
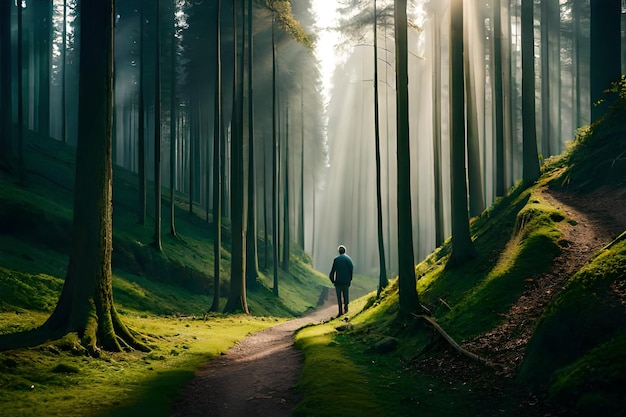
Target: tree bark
173	140
6	89
286	209
462	246
217	169
86	303
605	52
157	135
409	301
252	264
498	99
383	281
274	160
529	141
141	138
237	294
437	175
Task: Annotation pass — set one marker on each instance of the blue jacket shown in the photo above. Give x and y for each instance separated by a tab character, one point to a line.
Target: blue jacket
341	272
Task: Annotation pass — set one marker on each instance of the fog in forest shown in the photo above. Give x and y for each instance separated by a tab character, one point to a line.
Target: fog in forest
322	129
345	207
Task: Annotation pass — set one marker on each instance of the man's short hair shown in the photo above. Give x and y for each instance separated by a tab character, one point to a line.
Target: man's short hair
341	249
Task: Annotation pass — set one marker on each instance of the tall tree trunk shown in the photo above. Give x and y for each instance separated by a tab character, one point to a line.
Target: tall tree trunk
274	160
20	94
509	92
286	208
476	196
141	133
550	77
301	240
462	246
529	140
409	301
157	135
266	238
45	51
556	79
382	272
498	99
545	78
6	88
576	63
173	138
86	302
436	103
217	170
252	263
605	52
237	294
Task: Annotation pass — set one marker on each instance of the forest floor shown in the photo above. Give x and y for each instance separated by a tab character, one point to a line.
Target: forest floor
594	220
257	376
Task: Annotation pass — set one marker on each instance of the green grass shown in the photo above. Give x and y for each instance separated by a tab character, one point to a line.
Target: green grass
344	375
163	295
516	240
577	354
52	380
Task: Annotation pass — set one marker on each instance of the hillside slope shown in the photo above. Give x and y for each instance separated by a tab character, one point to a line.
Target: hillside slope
35	233
543	305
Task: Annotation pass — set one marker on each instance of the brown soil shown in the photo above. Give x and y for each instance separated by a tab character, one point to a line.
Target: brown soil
256	377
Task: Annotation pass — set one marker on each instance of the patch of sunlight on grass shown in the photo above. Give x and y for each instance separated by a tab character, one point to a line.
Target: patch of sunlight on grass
49	380
345	392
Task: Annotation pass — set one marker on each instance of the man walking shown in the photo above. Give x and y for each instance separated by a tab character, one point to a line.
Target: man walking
341	277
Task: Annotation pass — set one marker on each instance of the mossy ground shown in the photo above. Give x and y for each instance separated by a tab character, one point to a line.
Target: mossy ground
466	301
165	296
54	379
576	358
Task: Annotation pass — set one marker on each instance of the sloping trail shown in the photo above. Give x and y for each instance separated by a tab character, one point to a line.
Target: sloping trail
255	378
594	221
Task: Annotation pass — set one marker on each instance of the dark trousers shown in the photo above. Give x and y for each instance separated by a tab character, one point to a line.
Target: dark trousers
343	298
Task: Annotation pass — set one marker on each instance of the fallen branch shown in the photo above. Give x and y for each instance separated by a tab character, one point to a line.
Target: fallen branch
454	344
615	241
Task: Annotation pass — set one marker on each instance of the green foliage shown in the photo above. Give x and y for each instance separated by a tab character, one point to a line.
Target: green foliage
288	22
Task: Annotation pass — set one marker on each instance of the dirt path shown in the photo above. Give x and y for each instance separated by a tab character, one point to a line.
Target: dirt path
255	378
595	220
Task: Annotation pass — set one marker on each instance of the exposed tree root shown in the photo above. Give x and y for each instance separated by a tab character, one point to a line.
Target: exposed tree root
454	344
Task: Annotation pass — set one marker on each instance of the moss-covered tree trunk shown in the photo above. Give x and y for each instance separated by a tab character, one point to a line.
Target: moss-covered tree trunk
86	302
